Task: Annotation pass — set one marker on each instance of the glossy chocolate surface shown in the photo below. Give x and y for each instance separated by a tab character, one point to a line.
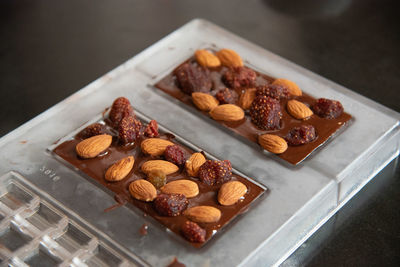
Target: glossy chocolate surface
97	167
325	128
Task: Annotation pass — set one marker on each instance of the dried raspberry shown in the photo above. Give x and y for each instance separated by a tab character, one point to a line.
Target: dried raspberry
170	204
130	129
226	96
175	155
237	77
193	78
273	90
265	113
120	108
215	172
326	108
193	232
92	130
301	135
151	129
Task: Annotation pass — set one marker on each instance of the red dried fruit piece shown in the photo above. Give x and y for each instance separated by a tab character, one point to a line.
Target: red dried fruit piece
193	78
226	96
151	129
92	130
237	77
130	129
215	172
175	155
301	135
120	108
273	90
265	113
193	232
326	108
170	204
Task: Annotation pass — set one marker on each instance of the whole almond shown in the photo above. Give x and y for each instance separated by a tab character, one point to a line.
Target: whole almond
120	169
184	187
227	112
298	109
246	99
229	58
155	146
231	192
291	86
207	59
93	146
203	214
273	143
204	101
162	165
193	164
143	190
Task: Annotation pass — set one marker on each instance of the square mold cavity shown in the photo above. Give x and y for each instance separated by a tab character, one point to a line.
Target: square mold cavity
13	239
15	197
42	258
47	217
75	238
103	256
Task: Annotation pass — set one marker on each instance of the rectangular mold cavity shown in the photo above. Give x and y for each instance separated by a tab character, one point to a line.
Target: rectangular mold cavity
171	224
76	238
16	197
245	128
13	239
47	217
41	258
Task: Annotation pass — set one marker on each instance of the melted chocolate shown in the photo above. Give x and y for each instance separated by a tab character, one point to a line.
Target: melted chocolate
143	229
176	263
325	128
97	167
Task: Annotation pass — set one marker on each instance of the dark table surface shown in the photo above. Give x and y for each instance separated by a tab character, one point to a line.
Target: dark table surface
51	49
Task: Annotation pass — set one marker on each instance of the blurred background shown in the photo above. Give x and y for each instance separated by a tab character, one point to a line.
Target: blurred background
51	49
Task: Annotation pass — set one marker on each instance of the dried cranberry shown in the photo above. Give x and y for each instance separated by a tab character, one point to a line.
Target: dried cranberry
170	204
265	113
130	129
193	232
215	172
326	108
193	78
226	96
301	135
175	155
237	77
92	130
120	108
151	129
273	90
